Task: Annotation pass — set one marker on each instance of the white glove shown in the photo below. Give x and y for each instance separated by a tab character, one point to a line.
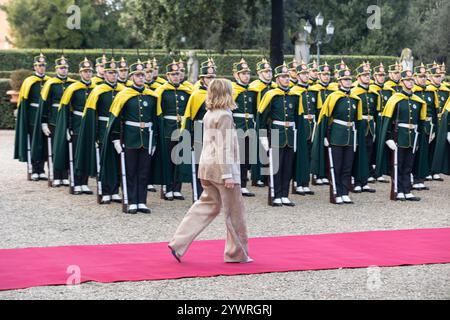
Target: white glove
68	135
325	142
153	150
265	143
448	137
391	144
46	130
118	146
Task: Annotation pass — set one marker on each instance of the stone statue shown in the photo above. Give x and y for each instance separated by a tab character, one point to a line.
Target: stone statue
301	44
407	59
192	67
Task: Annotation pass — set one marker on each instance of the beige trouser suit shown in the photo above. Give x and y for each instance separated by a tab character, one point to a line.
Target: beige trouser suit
219	160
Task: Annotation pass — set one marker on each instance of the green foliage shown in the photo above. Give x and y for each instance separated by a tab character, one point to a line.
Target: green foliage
43	24
6	107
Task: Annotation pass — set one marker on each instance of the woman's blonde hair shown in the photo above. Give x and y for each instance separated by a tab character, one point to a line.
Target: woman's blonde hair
220	95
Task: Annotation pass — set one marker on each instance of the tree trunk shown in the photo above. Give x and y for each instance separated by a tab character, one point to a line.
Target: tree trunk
277	33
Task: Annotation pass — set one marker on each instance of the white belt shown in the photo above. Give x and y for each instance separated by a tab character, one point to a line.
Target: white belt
176	118
103	118
35	105
55	105
78	113
243	115
344	123
138	124
429	119
199	121
367	117
408	126
284	123
309	116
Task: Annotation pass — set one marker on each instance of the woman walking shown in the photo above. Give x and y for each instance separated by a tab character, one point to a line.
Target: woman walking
219	173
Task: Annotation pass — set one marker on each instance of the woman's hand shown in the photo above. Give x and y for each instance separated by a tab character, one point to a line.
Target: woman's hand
229	183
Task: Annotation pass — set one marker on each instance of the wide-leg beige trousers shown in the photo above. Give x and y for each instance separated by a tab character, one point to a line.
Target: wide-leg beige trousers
202	213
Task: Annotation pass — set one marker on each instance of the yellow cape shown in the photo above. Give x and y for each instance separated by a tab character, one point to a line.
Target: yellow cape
396	98
194	103
330	103
91	102
67	95
167	86
125	95
278	92
46	88
26	86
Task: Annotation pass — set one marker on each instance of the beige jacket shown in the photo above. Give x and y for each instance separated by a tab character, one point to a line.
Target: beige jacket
220	155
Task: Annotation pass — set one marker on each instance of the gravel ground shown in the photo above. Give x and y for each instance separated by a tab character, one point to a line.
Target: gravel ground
33	215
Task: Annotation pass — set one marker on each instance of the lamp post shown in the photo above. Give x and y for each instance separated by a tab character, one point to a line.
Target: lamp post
318	41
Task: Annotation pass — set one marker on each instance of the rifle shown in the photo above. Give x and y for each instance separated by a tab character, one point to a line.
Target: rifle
71	173
271	195
333	188
29	166
123	172
99	183
50	161
394	161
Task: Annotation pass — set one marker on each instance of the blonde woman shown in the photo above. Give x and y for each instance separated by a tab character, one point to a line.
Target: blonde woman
219	175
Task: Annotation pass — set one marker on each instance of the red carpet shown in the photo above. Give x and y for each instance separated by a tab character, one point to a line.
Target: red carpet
23	268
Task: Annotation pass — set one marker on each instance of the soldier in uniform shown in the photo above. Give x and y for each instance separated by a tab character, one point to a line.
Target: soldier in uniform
422	166
68	121
379	75
172	99
402	123
156	76
123	73
133	130
150	82
441	158
292	67
324	89
92	133
183	80
49	102
393	84
339	121
27	107
363	170
261	85
193	116
244	118
313	73
334	86
281	111
309	101
99	69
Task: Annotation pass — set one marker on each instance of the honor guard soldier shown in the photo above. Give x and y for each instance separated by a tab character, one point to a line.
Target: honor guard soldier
402	123
68	121
308	99
193	121
27	109
280	111
337	137
150	82
379	76
363	168
261	85
393	84
323	87
334	85
133	130
313	73
156	76
92	133
183	80
99	70
441	93
244	119
123	73
172	100
292	67
422	166
441	158
51	95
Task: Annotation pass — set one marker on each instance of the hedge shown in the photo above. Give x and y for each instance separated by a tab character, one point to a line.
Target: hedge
23	59
6	107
